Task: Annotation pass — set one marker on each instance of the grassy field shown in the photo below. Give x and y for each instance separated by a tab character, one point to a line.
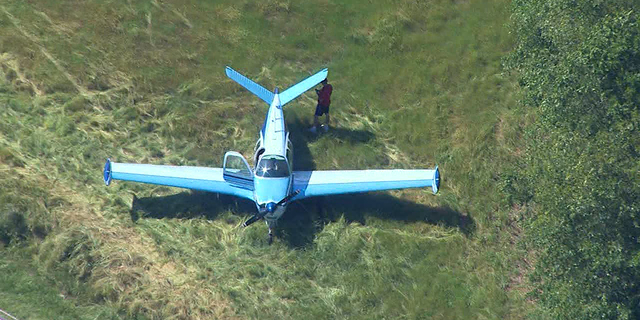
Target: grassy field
415	84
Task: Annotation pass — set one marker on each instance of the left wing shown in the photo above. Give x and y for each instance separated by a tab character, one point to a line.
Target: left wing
320	183
199	178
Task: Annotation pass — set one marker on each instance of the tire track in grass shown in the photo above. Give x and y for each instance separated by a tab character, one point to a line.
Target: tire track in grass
175	11
10	62
56	63
123	83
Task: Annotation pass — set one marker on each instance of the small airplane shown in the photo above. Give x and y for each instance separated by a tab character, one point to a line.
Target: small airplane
271	184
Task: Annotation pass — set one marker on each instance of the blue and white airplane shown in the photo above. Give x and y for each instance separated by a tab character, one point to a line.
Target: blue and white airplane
272	183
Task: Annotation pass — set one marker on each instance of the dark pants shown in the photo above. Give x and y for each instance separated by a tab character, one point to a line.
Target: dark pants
320	110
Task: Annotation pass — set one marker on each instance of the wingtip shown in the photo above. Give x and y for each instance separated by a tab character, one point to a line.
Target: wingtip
107	172
435	186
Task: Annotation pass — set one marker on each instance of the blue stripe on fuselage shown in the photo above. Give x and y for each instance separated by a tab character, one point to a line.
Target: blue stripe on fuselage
264	125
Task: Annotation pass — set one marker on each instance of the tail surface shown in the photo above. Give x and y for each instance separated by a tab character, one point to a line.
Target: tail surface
258	90
302	86
287	95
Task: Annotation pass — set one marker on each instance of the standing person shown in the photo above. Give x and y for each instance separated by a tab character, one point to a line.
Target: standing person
324	100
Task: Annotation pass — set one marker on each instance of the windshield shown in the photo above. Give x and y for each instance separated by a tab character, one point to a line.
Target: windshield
272	167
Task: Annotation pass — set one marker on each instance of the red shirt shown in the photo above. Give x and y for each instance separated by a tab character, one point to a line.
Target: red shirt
324	96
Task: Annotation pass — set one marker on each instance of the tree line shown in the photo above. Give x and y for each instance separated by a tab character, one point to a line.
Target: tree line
578	63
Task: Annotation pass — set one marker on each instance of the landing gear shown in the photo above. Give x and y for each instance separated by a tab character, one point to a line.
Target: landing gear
272	225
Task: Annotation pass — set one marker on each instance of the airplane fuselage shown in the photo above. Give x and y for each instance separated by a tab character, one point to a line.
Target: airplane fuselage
272	181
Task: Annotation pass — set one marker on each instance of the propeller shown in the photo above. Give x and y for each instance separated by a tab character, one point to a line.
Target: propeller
269	208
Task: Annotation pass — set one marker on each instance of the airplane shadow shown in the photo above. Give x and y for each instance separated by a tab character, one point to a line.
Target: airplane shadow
300	136
305	218
189	205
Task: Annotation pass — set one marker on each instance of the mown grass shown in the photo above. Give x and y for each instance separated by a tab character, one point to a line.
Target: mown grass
416	84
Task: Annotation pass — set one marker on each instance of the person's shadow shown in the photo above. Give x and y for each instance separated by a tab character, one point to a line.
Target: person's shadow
305	218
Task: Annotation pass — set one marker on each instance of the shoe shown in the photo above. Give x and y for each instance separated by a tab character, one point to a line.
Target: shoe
313	130
325	127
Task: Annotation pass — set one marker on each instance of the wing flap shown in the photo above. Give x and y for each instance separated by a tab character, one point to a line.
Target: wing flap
198	178
330	182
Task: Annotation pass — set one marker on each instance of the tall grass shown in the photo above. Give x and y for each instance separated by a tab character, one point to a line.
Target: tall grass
416	84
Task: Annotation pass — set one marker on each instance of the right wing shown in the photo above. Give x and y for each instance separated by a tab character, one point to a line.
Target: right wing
199	178
329	182
258	90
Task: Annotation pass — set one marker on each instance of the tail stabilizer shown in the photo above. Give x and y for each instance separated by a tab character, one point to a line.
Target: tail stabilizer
302	86
258	90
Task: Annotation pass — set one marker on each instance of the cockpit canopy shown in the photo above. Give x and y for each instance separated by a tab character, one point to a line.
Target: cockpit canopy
272	166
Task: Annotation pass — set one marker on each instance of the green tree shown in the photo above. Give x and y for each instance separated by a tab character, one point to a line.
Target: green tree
579	66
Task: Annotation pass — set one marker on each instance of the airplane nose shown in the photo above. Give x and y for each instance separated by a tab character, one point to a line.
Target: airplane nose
271	207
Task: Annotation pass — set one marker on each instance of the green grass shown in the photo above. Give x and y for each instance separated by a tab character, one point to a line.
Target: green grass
29	295
415	84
